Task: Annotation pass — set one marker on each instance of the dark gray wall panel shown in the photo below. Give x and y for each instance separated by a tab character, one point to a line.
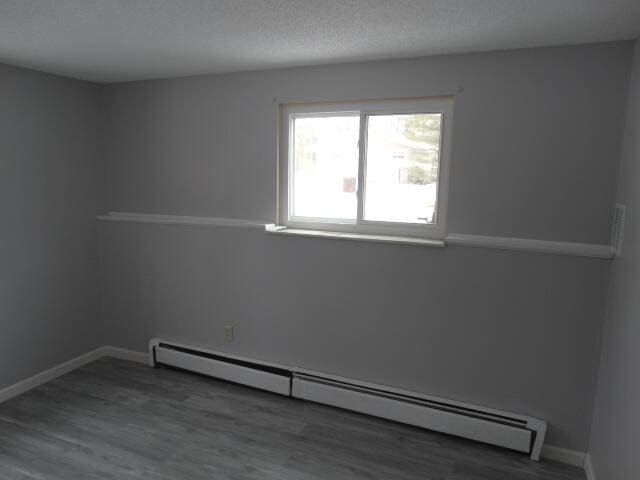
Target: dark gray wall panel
50	192
616	424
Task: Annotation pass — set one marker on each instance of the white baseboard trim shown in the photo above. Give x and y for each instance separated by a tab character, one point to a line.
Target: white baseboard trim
564	455
124	354
48	375
588	468
558	454
66	367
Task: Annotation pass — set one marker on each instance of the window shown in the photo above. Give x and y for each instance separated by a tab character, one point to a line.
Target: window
368	167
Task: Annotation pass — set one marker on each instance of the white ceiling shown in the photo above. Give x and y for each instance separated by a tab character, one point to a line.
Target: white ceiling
118	40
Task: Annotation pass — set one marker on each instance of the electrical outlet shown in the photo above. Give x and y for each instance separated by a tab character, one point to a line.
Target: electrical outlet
228	333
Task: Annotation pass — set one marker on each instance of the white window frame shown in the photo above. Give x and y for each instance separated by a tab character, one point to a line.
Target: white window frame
364	109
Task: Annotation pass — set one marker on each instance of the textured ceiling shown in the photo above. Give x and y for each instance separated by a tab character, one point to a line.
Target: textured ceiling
118	40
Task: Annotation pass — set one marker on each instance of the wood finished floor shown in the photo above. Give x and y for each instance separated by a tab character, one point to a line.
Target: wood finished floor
114	419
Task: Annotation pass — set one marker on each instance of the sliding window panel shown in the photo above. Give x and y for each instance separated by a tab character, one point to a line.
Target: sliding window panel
402	168
324	176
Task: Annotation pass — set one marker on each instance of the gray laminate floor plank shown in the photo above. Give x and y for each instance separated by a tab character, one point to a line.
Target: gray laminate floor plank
114	419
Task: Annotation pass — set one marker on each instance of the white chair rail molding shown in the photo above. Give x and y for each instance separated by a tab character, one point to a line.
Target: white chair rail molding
465	240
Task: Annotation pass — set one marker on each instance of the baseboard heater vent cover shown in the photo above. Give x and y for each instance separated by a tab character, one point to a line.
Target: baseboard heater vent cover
513	431
234	369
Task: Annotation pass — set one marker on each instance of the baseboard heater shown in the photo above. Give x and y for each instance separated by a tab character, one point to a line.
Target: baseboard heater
513	431
233	369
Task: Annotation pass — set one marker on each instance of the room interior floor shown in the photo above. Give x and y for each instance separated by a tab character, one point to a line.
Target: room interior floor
114	419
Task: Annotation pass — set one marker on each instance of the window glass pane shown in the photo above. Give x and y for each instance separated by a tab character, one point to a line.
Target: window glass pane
403	155
325	167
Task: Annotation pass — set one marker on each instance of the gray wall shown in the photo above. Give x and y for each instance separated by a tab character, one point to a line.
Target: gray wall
616	424
510	330
536	143
536	137
49	195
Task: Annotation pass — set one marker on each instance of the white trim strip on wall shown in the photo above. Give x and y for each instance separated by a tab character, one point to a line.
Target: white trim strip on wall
530	245
564	455
461	239
589	469
68	366
181	220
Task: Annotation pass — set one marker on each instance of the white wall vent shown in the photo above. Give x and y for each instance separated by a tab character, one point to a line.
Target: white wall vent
617	231
508	430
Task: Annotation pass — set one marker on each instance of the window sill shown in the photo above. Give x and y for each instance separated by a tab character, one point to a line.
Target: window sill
362	237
